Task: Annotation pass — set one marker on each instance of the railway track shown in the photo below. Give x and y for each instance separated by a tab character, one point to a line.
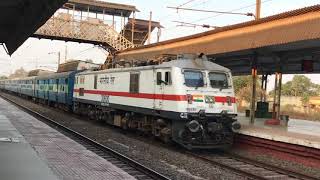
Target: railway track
239	165
125	163
249	168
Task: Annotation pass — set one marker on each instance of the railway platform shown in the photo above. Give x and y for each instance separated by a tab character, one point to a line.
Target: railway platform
30	149
298	132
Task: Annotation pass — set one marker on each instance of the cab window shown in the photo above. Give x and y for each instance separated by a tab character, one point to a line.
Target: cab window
167	78
218	80
134	83
159	78
193	78
95	82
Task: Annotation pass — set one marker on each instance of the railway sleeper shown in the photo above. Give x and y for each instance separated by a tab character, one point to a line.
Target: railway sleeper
276	177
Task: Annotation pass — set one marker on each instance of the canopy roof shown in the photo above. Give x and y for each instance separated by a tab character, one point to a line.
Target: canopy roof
101	7
21	18
141	29
274	43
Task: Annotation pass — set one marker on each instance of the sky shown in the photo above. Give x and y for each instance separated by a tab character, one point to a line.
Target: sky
35	53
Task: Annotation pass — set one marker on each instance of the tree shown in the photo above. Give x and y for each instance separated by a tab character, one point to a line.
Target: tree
300	86
19	73
243	88
3	77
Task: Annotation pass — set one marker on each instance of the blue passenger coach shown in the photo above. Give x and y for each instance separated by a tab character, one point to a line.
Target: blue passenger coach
55	88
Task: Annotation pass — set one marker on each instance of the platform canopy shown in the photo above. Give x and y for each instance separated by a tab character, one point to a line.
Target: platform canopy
101	7
141	29
21	18
286	42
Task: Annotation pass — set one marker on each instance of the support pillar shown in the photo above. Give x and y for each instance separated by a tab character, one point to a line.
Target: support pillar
274	115
253	97
113	25
132	26
279	95
149	28
276	101
121	26
265	87
264	81
158	34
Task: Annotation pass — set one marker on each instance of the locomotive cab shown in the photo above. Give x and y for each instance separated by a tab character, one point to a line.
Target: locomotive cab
207	114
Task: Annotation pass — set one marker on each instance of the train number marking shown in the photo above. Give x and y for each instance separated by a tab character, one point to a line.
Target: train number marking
104	100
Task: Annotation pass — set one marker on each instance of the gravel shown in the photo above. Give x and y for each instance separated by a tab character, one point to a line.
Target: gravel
268	159
168	160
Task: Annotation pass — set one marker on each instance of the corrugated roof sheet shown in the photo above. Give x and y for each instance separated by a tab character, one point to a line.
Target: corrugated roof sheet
102	6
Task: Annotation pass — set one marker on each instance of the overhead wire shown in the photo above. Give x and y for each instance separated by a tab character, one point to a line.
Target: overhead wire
201	19
231	11
185	3
79	53
163	17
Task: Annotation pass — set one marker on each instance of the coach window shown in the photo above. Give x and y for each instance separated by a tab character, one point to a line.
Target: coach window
167	78
95	82
159	78
134	83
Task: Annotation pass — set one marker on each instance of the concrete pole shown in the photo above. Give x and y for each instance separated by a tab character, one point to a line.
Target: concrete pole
149	29
265	88
258	9
73	11
59	58
279	95
88	12
274	115
65	54
158	34
132	26
262	86
124	24
103	11
254	92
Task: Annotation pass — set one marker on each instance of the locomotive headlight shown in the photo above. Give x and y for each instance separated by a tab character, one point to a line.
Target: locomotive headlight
235	126
193	126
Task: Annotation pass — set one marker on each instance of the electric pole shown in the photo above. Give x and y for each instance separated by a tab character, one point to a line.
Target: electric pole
149	28
258	9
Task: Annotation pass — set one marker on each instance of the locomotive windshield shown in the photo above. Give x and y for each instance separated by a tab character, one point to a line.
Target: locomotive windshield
218	80
193	78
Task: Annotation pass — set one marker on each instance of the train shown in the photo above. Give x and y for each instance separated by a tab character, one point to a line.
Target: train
188	100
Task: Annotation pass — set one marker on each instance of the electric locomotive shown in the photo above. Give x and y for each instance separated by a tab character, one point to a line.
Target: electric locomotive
189	100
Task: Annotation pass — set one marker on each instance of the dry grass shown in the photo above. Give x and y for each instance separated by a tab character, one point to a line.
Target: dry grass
294	112
301	113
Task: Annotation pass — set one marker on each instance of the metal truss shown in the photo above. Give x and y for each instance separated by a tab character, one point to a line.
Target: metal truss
90	30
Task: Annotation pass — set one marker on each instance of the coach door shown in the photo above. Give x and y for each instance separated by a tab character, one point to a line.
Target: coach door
57	90
66	90
159	89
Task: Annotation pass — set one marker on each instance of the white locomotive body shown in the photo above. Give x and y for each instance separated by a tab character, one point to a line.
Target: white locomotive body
190	100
